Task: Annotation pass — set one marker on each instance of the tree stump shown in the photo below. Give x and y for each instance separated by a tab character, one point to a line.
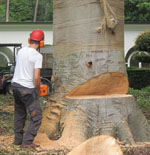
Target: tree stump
84	117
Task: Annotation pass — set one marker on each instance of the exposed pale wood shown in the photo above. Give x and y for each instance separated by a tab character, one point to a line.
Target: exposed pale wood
71	71
97	96
100	145
104	84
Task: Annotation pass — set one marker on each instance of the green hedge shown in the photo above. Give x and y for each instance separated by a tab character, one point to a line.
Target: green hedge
138	79
143	58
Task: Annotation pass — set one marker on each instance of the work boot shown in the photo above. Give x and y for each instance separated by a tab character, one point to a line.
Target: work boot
14	143
18	139
30	146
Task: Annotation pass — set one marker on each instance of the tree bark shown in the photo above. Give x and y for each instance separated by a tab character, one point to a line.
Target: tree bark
35	11
7	11
91	82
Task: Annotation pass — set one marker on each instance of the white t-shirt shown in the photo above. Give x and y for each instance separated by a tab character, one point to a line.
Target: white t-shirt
26	61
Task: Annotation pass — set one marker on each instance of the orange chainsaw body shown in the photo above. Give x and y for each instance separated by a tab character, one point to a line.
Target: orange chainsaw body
43	90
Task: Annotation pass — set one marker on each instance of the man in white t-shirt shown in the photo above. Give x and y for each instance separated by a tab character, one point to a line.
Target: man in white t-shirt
26	87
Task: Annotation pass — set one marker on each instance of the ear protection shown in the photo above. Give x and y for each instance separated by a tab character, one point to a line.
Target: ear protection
41	42
29	41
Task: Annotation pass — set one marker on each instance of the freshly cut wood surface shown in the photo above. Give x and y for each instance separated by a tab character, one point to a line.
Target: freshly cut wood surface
100	145
98	96
105	84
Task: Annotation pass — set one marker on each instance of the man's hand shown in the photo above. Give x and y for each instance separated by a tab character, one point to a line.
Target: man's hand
37	79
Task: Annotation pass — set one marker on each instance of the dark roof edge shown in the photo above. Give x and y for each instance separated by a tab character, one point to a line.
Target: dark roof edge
11	44
127	22
49	22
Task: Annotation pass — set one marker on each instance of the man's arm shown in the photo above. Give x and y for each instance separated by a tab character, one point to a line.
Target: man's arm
37	79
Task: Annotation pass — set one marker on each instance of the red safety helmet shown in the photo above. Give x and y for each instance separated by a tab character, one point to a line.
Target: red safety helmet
37	35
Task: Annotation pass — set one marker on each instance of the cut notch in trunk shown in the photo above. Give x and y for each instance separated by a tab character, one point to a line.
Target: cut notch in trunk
105	84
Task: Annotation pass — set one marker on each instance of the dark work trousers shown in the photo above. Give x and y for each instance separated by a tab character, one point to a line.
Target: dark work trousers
26	100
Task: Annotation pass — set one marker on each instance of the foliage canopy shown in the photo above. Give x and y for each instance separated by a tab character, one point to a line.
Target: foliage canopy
137	11
23	10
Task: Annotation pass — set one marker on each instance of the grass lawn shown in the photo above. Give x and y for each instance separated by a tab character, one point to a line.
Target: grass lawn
6	127
143	100
7	114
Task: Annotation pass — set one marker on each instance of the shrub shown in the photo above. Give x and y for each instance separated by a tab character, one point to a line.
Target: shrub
142	42
143	58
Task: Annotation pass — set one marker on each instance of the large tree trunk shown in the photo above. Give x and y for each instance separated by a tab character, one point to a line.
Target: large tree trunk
91	83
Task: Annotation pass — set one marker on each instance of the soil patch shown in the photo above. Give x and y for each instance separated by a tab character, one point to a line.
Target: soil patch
8	108
7	140
137	149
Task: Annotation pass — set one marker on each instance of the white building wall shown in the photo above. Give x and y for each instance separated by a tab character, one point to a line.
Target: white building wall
19	33
131	32
22	37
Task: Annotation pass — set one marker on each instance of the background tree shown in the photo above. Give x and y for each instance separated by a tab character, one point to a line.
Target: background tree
137	11
21	10
25	10
2	10
7	11
45	11
36	10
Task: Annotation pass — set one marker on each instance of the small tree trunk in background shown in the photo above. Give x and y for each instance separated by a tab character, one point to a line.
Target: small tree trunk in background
91	83
35	11
7	11
46	7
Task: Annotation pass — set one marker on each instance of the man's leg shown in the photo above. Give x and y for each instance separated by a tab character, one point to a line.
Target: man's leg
35	113
19	117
